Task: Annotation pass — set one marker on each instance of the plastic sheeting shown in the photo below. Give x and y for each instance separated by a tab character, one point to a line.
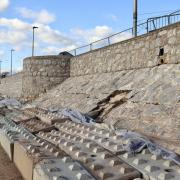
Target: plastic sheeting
74	115
136	143
10	103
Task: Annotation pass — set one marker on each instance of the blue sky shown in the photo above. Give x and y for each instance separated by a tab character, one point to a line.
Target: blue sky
65	24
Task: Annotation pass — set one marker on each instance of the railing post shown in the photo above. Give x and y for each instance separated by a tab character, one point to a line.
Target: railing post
75	52
109	41
132	29
154	24
169	20
147	26
135	18
91	47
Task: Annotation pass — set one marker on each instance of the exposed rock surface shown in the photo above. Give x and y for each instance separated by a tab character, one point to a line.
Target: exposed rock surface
11	86
146	100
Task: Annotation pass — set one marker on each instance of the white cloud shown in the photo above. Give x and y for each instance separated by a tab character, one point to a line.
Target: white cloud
56	50
121	37
4	5
12	37
42	16
51	50
51	36
18	34
81	37
14	32
45	17
14	24
92	35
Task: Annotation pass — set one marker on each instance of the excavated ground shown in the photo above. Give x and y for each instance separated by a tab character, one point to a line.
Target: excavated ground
8	170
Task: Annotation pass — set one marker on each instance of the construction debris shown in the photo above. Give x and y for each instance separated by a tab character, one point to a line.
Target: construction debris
50	145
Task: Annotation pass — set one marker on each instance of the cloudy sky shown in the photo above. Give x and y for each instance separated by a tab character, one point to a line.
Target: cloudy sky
66	24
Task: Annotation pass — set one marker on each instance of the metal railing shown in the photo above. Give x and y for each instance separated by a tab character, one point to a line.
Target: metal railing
162	21
151	24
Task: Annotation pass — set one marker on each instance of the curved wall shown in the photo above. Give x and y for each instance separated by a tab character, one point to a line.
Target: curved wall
41	73
135	53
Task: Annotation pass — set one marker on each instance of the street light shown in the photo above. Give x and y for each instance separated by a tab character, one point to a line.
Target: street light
12	50
135	17
0	68
34	27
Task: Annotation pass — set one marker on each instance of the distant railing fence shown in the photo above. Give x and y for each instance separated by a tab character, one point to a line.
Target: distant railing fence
159	22
150	25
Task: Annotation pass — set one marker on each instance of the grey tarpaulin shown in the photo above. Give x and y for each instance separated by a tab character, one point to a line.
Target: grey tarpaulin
10	103
137	143
74	115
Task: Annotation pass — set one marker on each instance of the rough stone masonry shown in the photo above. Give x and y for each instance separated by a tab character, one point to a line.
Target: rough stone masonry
134	84
42	73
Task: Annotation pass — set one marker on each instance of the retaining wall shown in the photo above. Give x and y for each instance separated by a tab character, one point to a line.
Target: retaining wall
12	86
158	47
41	73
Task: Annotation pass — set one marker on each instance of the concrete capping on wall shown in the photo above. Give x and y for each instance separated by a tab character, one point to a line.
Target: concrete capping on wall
139	52
41	73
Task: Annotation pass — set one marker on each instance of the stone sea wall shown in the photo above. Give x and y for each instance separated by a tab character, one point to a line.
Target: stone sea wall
145	100
158	47
12	86
132	85
41	73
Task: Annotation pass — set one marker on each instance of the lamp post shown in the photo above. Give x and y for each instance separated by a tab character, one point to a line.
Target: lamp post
135	17
0	68
12	50
34	27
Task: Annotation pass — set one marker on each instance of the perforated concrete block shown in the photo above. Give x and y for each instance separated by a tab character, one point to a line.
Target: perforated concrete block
103	137
23	161
7	145
28	153
153	167
101	163
64	168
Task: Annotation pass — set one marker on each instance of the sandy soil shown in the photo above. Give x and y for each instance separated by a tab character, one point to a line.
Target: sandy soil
8	170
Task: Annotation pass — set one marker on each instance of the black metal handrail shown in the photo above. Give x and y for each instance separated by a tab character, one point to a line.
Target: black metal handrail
151	24
162	21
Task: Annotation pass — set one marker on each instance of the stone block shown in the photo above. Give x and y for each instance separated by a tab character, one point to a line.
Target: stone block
28	153
51	66
94	157
152	166
64	168
23	162
7	145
